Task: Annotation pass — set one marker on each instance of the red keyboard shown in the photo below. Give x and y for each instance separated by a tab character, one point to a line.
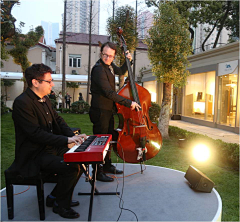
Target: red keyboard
92	150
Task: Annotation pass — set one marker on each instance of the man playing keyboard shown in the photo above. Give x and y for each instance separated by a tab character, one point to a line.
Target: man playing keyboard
42	137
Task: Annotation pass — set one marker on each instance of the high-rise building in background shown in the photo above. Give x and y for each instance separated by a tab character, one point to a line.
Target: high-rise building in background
78	16
51	32
145	20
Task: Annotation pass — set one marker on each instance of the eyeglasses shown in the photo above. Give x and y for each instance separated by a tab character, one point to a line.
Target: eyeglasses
45	80
108	56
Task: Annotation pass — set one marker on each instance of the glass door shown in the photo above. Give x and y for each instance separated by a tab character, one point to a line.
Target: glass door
227	99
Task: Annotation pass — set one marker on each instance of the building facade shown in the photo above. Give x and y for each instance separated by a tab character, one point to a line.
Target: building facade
77	56
78	16
211	96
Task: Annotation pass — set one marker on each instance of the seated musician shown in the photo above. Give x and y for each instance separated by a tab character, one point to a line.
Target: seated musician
42	137
103	101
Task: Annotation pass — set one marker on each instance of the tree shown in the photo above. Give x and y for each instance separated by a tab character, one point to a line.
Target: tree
6	83
22	43
218	14
124	18
232	22
73	85
7	26
168	48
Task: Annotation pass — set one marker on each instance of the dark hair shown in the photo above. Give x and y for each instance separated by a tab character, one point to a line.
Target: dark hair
36	71
110	45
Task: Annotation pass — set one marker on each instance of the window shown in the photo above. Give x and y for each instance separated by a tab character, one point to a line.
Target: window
199	96
227	104
75	61
228	78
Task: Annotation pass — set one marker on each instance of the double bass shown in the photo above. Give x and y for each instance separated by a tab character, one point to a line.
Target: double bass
138	138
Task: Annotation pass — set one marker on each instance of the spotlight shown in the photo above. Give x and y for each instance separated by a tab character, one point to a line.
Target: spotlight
201	152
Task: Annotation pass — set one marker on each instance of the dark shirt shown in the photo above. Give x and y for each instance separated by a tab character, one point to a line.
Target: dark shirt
103	86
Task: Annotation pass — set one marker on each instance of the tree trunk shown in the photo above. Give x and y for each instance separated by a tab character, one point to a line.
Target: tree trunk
163	123
64	56
73	94
89	53
192	36
209	34
222	24
24	82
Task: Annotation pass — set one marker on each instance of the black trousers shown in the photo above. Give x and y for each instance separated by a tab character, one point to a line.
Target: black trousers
103	123
68	175
68	104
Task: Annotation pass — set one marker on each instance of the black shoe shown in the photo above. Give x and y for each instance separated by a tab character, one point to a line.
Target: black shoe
65	212
103	177
50	202
111	169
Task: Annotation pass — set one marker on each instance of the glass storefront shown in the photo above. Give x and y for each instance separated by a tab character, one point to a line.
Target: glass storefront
227	93
227	101
199	96
151	86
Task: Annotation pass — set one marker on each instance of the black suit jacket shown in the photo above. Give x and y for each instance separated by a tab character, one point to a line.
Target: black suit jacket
103	86
33	133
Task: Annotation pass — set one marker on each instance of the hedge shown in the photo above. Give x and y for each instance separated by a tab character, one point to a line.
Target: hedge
226	153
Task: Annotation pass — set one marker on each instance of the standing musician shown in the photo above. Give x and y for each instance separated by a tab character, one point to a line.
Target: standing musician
42	137
103	101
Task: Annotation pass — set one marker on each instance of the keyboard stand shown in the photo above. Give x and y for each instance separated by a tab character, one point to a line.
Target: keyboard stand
94	190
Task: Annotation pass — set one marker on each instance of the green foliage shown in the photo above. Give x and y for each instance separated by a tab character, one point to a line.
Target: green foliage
7	26
232	22
217	14
80	107
64	110
154	112
227	153
73	85
4	53
53	102
169	46
22	43
124	18
6	83
4	108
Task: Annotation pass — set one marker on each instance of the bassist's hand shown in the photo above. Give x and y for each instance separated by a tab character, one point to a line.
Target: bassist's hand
134	105
128	55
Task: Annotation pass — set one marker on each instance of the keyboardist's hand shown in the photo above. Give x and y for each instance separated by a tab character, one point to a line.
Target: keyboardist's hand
77	139
70	145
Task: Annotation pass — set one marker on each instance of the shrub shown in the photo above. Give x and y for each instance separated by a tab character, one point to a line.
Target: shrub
227	153
154	112
53	102
65	110
4	108
80	107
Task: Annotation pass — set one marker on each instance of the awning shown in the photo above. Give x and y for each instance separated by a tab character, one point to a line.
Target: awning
56	77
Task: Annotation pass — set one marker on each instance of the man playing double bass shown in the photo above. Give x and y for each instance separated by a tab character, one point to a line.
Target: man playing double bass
103	101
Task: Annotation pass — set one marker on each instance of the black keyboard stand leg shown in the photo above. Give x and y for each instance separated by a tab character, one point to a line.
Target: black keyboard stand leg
94	190
94	166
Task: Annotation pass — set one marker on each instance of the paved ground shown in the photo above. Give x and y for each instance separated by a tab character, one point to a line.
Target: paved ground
159	194
214	133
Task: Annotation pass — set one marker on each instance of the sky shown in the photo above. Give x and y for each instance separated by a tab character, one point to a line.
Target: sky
32	12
